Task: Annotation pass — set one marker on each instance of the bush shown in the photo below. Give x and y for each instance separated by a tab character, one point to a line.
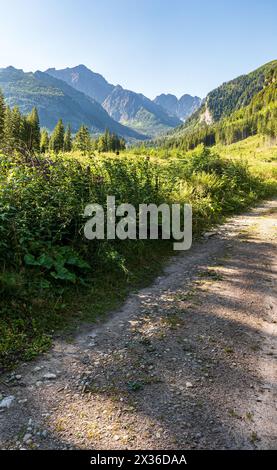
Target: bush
44	254
42	204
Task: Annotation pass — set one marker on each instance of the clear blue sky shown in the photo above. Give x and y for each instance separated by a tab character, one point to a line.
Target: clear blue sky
149	46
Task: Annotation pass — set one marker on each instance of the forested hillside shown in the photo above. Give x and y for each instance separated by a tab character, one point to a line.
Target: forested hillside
237	109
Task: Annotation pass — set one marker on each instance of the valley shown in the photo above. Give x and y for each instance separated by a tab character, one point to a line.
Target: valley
114	344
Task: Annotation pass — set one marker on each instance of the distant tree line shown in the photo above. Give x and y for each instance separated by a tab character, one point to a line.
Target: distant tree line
18	131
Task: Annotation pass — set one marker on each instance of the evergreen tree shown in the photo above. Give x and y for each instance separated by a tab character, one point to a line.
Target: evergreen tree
57	137
13	126
16	123
8	130
82	140
122	144
110	142
102	144
67	140
2	116
44	141
33	130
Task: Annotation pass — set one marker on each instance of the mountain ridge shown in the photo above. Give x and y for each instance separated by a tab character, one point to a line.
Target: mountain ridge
56	99
137	111
181	108
149	118
85	80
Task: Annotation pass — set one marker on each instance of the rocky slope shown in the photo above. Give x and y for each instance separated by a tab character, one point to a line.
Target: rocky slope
181	108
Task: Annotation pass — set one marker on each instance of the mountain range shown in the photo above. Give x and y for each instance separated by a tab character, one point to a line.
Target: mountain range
181	108
125	106
138	112
55	99
80	96
83	79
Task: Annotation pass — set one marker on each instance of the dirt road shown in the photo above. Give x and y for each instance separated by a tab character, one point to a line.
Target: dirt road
187	363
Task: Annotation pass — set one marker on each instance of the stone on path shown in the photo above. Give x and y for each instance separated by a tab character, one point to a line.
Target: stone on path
7	401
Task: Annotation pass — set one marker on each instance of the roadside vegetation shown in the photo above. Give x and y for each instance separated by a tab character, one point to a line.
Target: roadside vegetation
52	277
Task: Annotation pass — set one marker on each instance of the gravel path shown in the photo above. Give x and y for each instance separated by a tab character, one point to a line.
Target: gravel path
187	363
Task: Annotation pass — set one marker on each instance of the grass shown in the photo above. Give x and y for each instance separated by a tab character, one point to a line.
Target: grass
30	321
260	152
211	275
41	296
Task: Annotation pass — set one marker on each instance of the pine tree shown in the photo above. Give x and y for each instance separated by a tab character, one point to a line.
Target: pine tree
2	116
13	123
67	140
122	144
57	137
16	123
110	142
82	140
8	130
33	131
113	142
102	144
44	141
